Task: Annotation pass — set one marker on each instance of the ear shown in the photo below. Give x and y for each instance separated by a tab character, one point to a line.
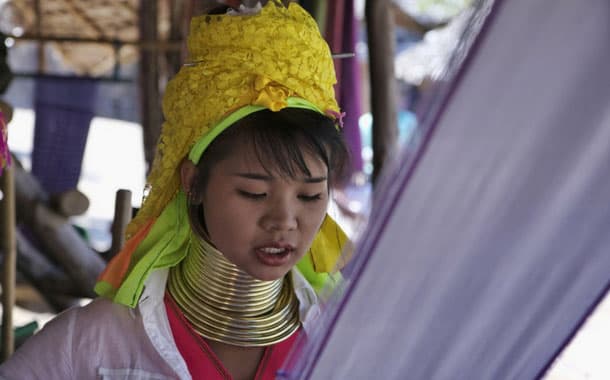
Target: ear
188	172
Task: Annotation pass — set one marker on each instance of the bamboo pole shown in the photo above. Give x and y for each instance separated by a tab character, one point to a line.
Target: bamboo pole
9	247
380	32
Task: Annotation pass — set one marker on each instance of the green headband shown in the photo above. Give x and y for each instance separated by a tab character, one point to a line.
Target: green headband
202	144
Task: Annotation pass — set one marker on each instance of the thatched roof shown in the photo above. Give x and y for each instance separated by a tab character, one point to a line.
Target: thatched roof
73	27
109	19
91	36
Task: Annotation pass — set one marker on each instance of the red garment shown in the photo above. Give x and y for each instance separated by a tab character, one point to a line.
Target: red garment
201	360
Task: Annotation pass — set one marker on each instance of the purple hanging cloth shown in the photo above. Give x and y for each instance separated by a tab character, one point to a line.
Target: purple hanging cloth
5	154
64	109
341	34
487	247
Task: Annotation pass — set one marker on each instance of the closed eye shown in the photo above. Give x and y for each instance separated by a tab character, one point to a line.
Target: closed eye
249	195
310	198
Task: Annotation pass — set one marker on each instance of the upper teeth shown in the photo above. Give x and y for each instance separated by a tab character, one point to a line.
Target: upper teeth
273	250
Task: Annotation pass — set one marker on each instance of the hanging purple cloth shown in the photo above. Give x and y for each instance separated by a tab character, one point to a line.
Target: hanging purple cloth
487	247
342	32
64	109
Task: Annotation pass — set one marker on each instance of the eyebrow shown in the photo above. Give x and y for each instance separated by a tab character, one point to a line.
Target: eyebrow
264	177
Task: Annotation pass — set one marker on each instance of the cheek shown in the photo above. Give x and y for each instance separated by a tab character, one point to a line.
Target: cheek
228	223
314	218
223	233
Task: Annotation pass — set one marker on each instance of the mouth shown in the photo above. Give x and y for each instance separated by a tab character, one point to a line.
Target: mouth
274	254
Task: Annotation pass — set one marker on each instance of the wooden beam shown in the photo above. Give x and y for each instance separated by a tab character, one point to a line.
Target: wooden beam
142	45
380	32
61	242
69	203
56	236
50	281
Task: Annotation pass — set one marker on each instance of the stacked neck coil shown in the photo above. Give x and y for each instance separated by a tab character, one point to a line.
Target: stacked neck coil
225	304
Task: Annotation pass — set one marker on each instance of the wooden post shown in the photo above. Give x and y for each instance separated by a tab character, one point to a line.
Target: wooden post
149	81
177	32
122	216
380	32
42	63
9	247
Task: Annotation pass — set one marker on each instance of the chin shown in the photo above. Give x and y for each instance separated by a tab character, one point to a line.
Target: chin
269	274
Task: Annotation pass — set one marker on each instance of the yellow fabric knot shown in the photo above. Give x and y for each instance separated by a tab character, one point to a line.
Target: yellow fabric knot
271	95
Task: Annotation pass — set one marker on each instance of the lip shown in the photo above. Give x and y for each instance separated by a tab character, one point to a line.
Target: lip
274	260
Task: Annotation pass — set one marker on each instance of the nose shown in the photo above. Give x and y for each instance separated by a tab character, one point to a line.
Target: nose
280	216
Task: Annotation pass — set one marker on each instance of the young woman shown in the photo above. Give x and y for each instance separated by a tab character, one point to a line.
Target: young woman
218	276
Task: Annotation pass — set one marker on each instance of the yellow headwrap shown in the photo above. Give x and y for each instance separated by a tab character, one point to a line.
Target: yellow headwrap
272	59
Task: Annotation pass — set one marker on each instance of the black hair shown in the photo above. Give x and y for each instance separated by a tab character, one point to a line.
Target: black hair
279	140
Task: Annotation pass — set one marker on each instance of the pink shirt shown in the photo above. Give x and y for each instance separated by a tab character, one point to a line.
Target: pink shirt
201	361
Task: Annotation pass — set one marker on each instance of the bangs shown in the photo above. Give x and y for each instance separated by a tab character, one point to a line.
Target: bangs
281	146
281	140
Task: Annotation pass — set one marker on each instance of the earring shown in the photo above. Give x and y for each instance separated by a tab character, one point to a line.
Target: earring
189	197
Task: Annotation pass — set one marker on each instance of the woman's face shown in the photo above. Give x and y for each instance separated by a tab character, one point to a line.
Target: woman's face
263	222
